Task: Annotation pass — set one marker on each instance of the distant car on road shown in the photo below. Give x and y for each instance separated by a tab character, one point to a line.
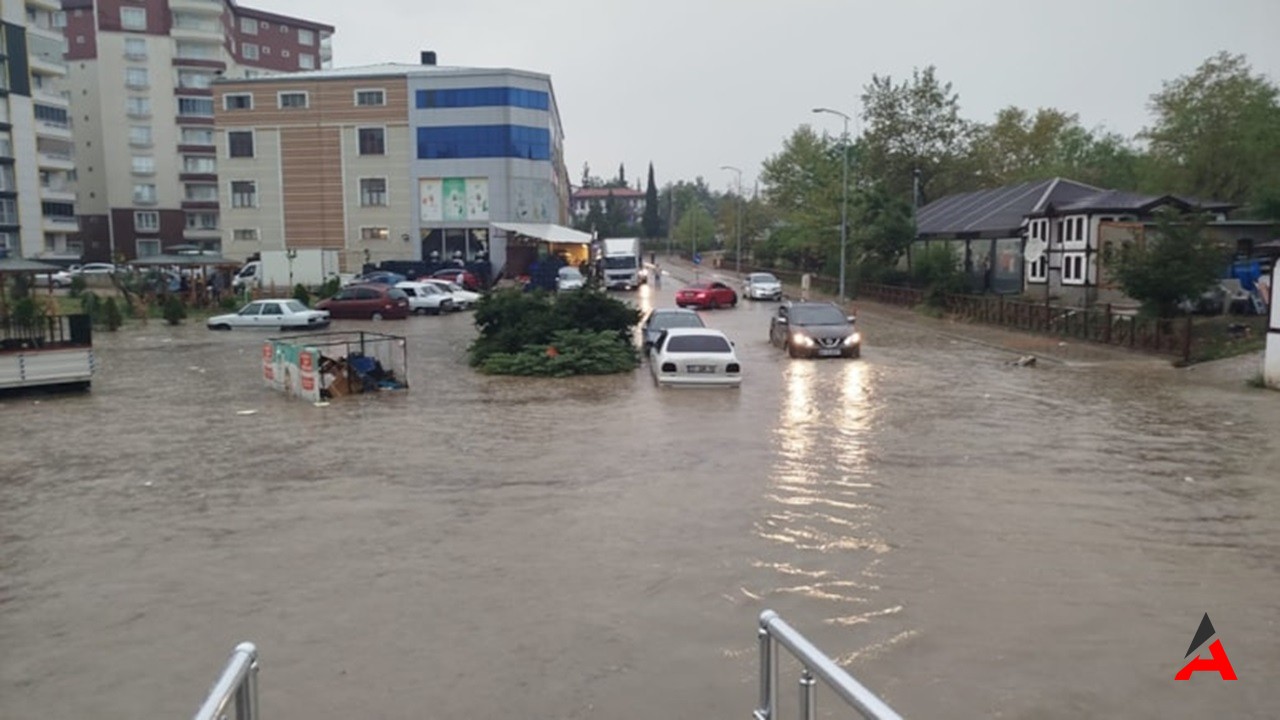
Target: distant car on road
815	329
660	319
762	286
425	298
570	278
272	314
694	356
373	301
712	295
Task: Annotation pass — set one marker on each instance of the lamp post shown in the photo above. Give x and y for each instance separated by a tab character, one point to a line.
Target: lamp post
844	201
737	221
291	253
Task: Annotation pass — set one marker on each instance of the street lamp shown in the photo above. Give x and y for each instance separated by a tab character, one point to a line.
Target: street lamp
844	202
737	221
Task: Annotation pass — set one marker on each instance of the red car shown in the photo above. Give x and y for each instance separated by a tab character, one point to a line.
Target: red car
367	301
707	295
467	279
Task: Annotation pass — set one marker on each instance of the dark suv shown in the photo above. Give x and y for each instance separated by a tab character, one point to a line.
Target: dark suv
814	329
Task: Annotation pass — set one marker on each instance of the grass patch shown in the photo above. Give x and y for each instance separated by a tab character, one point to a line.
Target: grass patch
1220	337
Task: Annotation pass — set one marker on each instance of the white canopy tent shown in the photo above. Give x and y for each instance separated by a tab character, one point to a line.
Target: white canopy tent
501	253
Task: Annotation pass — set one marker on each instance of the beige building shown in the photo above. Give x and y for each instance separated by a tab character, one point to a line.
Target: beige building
141	77
37	201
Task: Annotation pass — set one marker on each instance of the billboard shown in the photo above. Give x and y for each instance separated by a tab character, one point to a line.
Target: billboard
453	199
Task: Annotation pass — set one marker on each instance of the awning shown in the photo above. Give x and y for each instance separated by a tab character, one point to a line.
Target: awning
548	232
183	261
14	265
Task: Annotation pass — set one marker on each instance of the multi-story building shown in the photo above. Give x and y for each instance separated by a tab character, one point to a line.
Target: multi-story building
37	202
141	74
631	201
388	162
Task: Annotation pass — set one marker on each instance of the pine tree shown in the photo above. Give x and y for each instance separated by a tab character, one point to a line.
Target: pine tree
622	175
651	228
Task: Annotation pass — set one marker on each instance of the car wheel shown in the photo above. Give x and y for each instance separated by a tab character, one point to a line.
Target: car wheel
376	316
855	353
220	326
713	305
791	350
734	301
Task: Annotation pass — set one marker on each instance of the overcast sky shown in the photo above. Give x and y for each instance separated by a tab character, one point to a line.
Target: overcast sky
693	85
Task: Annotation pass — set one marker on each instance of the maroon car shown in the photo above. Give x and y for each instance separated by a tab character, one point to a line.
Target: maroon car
467	279
367	301
707	295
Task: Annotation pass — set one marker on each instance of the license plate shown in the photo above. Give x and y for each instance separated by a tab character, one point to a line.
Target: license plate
828	352
700	369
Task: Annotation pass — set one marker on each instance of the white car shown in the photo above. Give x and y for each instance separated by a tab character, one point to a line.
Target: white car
272	314
570	278
762	286
463	299
426	298
694	356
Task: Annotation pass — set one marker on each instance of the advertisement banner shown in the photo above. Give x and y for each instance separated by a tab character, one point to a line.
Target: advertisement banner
455	198
477	198
430	198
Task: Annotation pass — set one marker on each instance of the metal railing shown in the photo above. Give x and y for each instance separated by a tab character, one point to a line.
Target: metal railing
238	682
815	665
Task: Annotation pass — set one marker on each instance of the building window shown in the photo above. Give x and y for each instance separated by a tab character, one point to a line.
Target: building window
199	164
239	101
483	97
245	234
133	18
372	141
367	98
148	248
8	241
374	233
1074	229
8	211
244	193
1073	269
240	143
195	107
197	136
144	194
144	165
135	48
306	61
136	77
1038	271
292	100
146	221
200	193
202	221
249	51
248	26
484	141
373	192
140	135
306	37
197	80
138	106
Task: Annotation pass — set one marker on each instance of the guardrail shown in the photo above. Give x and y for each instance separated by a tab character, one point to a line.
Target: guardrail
815	665
238	682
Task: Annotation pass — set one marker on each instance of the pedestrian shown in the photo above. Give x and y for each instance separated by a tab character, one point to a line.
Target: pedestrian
218	284
657	277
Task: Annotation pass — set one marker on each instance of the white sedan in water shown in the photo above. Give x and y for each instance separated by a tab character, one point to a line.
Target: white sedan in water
694	356
272	314
463	299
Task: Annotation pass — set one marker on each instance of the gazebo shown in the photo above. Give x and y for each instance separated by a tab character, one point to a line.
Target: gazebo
193	263
20	266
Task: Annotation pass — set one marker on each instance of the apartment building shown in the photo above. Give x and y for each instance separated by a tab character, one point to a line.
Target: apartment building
140	74
37	202
388	162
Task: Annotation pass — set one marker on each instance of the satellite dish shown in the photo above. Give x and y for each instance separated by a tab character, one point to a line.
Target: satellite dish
1035	250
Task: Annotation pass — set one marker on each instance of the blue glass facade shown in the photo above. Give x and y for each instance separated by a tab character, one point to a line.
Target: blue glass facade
483	97
484	141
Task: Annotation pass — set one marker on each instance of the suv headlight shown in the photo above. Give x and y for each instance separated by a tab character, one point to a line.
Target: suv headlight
853	339
801	340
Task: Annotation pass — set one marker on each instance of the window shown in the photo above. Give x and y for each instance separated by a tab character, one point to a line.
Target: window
374	233
133	18
306	61
239	101
138	106
245	234
135	48
6	144
194	79
9	183
8	241
1074	230
365	98
244	193
144	165
144	194
373	191
248	26
249	51
484	141
146	221
306	37
372	141
197	51
140	135
202	221
1073	269
136	77
200	192
8	211
195	107
240	143
483	97
148	248
292	100
199	164
1038	271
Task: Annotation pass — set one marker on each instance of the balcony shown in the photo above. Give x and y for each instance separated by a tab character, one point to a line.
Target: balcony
57	193
53	130
202	233
199	204
199	32
204	7
186	176
211	63
39	32
52	98
61	224
55	160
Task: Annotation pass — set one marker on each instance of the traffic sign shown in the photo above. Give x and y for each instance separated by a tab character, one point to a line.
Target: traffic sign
697	258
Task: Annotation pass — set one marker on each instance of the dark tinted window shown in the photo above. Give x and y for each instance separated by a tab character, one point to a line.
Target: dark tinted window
366	294
817	315
482	141
271	309
698	343
625	262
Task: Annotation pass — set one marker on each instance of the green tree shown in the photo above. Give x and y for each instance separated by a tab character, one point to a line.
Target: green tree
802	184
696	228
884	230
652	226
1176	262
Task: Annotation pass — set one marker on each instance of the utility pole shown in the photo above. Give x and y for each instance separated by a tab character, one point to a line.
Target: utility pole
737	220
844	196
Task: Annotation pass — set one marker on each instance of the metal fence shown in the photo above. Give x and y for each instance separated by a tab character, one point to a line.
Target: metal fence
54	331
773	633
237	684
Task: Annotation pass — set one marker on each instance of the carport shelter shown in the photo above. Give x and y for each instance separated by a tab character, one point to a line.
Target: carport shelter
525	240
201	263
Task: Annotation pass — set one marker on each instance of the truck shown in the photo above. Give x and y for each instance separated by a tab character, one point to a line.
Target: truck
276	268
620	263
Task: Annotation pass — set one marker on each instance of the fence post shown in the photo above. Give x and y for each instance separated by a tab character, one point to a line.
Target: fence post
1186	341
1048	313
808	706
1002	310
1106	333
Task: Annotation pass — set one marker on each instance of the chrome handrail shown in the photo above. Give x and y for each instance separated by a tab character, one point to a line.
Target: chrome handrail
775	631
239	681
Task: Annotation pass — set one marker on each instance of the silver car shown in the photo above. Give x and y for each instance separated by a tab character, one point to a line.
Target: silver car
762	286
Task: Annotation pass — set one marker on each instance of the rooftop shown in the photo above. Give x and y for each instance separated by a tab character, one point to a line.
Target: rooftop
997	212
382	70
606	192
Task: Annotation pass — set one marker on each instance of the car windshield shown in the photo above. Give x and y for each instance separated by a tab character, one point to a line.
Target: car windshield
761	278
698	344
817	315
662	321
294	306
625	262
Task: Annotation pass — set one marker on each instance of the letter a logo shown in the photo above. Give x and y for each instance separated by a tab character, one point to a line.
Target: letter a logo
1216	662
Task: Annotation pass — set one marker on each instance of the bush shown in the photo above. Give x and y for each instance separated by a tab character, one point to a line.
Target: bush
570	352
520	326
174	310
77	286
229	303
301	294
21	287
330	287
111	315
91	305
26	311
937	269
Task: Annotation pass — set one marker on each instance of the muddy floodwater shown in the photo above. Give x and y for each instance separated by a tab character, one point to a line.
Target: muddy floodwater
969	538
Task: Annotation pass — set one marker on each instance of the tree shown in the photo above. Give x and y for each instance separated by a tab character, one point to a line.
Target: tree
622	175
615	218
884	229
696	228
652	227
802	184
1175	263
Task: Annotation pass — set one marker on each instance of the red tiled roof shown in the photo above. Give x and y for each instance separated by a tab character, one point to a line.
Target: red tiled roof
588	193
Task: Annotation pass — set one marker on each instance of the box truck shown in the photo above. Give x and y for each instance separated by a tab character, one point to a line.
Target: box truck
310	266
620	261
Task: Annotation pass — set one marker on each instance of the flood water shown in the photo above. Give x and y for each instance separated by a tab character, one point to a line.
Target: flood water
970	539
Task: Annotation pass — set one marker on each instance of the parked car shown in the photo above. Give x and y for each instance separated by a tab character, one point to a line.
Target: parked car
694	356
272	314
463	277
762	286
463	299
711	295
380	277
374	301
660	319
95	269
425	298
58	279
815	329
570	278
